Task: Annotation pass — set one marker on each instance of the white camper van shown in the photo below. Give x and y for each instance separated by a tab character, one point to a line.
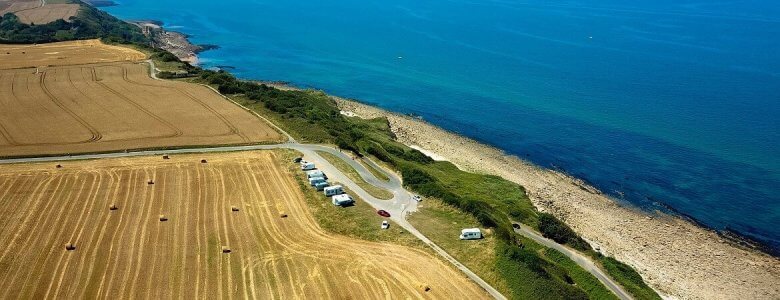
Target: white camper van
316	173
334	190
321	186
342	200
315	180
470	234
306	166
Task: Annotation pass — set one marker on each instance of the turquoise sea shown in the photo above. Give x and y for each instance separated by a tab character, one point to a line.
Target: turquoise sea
671	105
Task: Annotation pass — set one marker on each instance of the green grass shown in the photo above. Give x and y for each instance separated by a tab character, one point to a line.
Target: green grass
628	278
312	117
359	221
584	280
377	173
442	224
348	170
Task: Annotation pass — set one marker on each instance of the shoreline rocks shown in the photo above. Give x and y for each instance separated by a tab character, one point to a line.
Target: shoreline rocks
676	257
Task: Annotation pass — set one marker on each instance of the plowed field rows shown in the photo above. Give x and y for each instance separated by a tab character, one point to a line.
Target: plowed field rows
128	253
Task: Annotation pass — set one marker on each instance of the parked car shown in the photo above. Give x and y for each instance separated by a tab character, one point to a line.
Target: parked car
383	213
417	198
385	224
515	226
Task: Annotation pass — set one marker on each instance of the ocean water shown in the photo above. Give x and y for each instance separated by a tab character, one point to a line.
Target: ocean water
664	104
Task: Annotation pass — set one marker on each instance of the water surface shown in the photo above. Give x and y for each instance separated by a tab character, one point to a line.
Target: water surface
656	102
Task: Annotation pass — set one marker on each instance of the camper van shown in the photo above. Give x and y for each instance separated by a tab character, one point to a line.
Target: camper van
342	200
321	186
316	173
307	166
470	234
334	190
315	180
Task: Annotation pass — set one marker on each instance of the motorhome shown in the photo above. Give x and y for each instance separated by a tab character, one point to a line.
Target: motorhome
334	190
342	200
470	234
307	166
316	173
321	186
315	180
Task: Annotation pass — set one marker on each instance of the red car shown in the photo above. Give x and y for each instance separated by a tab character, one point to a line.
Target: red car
383	213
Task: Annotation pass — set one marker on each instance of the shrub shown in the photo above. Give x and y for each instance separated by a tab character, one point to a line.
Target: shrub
558	231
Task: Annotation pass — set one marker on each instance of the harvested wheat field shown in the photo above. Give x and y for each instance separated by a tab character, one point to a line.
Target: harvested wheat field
35	12
111	216
114	106
64	53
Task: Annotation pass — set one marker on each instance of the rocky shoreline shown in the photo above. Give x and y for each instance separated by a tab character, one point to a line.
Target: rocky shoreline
676	257
174	42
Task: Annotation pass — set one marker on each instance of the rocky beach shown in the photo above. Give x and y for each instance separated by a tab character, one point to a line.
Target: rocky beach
676	257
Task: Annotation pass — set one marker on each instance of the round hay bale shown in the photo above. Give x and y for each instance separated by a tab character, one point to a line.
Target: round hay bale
234	208
150	182
424	287
226	249
59	166
113	207
163	218
166	157
70	247
283	214
203	161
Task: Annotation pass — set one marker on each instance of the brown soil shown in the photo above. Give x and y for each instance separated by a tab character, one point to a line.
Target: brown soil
113	106
129	253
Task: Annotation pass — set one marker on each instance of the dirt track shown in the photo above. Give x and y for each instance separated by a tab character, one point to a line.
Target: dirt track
112	106
129	253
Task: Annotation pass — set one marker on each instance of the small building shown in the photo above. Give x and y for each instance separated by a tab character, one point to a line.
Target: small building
307	166
334	190
321	186
342	200
315	180
470	234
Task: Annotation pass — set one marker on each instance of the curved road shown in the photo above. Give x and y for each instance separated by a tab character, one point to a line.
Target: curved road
398	207
581	260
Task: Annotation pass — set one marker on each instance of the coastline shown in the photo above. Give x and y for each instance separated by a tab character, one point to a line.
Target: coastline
174	42
675	256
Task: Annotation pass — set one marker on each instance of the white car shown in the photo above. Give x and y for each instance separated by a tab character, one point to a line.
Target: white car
417	198
385	225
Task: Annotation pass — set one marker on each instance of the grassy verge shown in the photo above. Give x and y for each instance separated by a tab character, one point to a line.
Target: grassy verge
359	221
348	170
584	280
442	224
628	278
377	173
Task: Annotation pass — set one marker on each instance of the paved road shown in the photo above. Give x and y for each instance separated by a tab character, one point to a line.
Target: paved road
581	260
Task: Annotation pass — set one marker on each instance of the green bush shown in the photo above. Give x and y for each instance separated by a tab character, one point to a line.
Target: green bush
89	23
558	231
